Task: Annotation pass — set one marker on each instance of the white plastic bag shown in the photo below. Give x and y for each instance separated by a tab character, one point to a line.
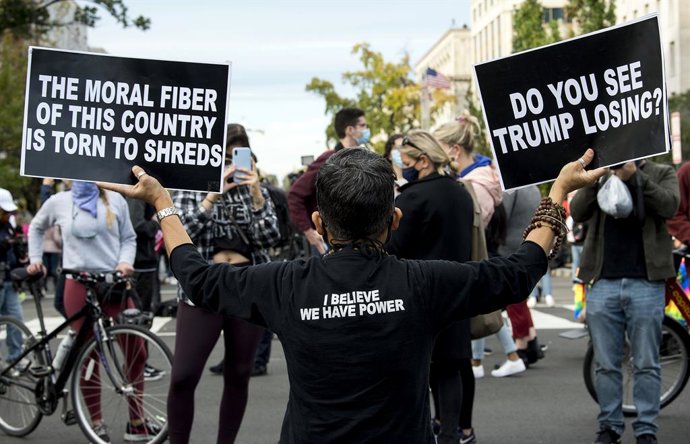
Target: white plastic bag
614	198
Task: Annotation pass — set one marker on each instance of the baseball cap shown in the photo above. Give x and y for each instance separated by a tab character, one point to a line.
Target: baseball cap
6	201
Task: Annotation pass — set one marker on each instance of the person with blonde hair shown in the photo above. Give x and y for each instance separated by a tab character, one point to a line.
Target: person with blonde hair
458	138
437	224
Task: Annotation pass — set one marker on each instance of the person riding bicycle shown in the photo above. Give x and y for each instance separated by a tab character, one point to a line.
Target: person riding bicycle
358	325
626	259
97	236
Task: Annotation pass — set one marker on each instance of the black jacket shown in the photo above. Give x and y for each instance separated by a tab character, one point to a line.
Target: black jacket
437	220
141	215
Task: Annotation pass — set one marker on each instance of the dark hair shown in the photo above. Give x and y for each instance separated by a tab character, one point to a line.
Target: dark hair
344	118
237	136
390	143
354	194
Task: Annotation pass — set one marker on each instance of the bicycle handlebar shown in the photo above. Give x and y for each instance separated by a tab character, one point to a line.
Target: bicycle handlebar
90	277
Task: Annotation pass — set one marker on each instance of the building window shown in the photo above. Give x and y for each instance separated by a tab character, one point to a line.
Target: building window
553	14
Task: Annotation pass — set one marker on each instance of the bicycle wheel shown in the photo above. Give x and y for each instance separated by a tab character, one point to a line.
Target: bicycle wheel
674	357
19	414
109	386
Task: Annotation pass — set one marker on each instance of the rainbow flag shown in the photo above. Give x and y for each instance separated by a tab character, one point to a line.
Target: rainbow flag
684	281
579	290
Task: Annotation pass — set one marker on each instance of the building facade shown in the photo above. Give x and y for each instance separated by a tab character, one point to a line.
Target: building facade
452	57
674	21
490	36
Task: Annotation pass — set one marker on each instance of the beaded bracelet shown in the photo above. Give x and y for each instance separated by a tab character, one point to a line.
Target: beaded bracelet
552	215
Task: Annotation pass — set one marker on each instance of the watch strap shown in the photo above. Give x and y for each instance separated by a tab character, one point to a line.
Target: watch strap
166	212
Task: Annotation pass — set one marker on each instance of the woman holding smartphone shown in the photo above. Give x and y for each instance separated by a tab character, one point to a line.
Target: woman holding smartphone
236	227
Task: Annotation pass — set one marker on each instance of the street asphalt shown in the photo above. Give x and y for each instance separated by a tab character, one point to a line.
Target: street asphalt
546	404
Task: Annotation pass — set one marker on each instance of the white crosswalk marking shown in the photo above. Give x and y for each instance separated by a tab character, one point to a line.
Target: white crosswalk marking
545	321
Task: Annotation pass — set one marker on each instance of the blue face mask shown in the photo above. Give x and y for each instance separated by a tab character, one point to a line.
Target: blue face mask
364	138
396	157
410	174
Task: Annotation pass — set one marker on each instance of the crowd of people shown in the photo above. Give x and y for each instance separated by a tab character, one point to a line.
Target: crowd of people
388	224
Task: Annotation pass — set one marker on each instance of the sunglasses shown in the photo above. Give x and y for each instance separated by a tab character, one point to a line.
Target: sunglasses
406	141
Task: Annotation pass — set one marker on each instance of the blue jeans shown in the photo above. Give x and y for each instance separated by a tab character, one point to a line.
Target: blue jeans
636	307
503	336
575	252
10	306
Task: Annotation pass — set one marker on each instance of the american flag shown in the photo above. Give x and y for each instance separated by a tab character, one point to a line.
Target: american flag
435	79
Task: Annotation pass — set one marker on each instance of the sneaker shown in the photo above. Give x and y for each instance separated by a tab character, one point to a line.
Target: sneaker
531	302
217	369
152	373
509	368
607	436
101	430
468	439
647	438
141	432
478	371
549	300
488	351
259	370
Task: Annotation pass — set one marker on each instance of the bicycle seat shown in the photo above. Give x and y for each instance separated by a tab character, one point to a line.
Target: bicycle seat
22	275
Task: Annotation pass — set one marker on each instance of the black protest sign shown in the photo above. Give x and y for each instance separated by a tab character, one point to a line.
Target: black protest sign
546	106
92	117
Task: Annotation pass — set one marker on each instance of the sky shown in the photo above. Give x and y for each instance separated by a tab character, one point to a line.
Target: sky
276	47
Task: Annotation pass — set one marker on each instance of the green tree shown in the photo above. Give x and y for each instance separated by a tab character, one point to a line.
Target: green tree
591	15
32	18
529	30
22	21
384	90
13	60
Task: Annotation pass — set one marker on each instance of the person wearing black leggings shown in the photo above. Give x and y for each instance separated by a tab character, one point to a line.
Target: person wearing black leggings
236	227
437	224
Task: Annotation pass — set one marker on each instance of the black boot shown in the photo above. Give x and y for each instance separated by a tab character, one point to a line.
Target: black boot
534	351
523	355
217	369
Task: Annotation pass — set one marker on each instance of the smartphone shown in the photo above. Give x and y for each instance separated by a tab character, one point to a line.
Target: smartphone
241	158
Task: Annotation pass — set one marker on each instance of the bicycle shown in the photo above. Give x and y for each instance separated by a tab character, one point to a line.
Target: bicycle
30	387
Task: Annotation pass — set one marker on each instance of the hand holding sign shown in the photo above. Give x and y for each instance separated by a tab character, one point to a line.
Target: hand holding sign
574	176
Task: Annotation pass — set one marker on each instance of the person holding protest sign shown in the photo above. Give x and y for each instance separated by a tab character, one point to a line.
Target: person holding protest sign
626	259
234	227
357	325
97	235
438	224
352	131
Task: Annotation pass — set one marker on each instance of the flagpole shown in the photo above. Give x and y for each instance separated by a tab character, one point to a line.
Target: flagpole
424	100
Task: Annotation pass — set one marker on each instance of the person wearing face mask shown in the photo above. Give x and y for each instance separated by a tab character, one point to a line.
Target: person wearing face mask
352	130
437	223
234	227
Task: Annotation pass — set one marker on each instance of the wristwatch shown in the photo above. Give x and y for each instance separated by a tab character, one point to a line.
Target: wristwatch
165	212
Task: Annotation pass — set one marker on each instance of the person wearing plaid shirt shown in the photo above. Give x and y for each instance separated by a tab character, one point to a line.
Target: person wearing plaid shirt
234	227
